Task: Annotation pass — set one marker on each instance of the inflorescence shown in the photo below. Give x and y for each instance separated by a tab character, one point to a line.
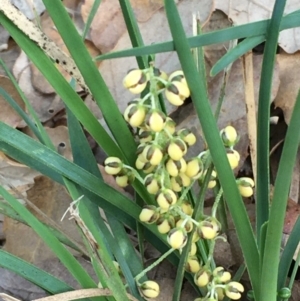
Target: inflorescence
169	175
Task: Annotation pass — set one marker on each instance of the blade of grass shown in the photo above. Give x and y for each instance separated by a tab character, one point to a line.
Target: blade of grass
133	31
270	266
287	255
263	117
93	78
33	274
235	53
76	270
218	36
90	18
211	133
84	157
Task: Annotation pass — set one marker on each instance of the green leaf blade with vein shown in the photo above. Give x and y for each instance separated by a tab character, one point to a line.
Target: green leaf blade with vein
33	274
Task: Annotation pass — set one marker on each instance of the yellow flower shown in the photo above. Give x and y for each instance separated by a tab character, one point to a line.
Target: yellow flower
177	93
135	114
178	76
164	225
155	120
153	154
202	277
165	198
113	165
187	136
175	167
177	238
192	264
135	81
151	184
245	186
207	230
149	289
194	168
233	158
177	149
149	214
221	275
233	290
229	136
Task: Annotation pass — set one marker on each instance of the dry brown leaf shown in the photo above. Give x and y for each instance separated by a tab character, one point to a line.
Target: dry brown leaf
45	105
246	11
53	200
289	66
7	114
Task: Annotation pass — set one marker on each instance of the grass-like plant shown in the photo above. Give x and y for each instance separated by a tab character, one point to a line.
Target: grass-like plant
109	247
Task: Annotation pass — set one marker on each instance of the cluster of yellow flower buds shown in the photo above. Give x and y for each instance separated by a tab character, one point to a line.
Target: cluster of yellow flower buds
218	284
161	156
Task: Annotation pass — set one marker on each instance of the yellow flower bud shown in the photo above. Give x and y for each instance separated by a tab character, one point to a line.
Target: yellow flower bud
153	154
113	165
170	125
177	238
140	162
194	168
206	230
177	149
135	114
221	275
229	136
175	185
122	180
245	186
135	81
149	289
165	198
149	214
164	225
178	76
177	93
220	293
145	136
192	264
196	237
187	136
155	120
202	278
233	290
193	249
151	184
188	226
175	167
187	208
148	167
233	158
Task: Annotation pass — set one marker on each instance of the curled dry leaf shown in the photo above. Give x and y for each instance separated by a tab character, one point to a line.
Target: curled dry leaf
246	11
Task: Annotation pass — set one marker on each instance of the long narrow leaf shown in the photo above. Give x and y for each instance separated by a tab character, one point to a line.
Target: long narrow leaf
33	274
52	242
218	36
209	127
277	211
263	135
